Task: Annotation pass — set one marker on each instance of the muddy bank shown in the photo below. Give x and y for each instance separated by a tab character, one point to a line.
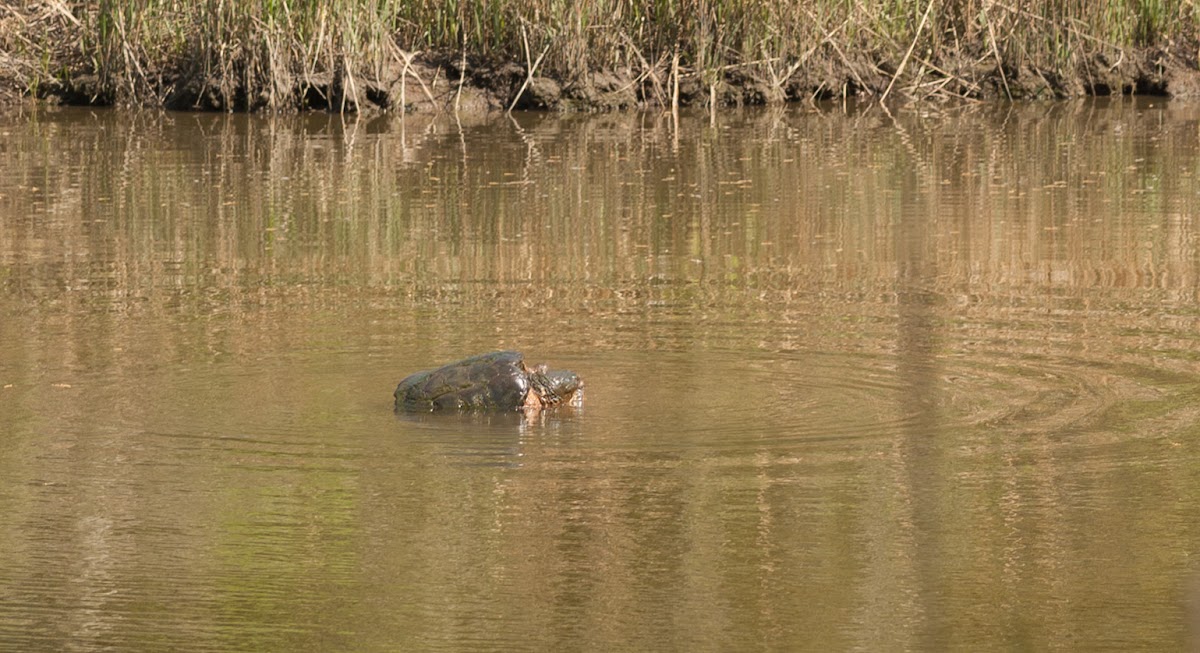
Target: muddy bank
444	83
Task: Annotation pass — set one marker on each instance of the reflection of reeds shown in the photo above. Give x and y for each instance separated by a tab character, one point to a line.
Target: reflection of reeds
244	204
275	53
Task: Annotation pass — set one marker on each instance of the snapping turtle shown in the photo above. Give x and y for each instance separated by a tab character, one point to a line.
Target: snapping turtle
495	381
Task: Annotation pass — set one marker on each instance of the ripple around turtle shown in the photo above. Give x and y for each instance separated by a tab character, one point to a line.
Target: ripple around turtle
715	399
974	397
738	399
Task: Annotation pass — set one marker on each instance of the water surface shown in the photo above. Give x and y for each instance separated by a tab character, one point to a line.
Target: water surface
862	381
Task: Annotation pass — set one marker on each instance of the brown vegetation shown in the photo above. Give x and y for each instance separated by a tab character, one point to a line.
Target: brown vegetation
350	55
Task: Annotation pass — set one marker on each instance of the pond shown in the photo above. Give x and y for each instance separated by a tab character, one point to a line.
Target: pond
927	379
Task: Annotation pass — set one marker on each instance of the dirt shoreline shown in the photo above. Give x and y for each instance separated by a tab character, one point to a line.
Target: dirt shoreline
448	82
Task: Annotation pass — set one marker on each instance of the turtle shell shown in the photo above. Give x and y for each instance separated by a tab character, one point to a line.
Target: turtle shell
496	381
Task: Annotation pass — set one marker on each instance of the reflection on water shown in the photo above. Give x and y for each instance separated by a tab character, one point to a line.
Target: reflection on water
854	381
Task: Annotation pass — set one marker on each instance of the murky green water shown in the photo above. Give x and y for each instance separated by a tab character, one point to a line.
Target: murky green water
928	381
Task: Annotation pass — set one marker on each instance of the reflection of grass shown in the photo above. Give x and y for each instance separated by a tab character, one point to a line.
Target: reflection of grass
252	52
767	213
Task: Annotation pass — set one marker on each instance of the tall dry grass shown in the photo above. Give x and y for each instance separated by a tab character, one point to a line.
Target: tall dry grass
274	53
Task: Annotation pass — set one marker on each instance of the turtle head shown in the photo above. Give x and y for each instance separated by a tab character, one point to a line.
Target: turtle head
556	387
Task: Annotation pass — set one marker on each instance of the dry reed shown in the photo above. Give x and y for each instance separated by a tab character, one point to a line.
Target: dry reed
282	54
